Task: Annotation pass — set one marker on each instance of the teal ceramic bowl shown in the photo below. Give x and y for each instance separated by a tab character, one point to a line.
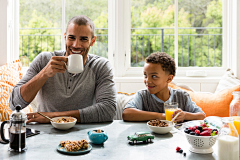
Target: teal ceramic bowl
97	138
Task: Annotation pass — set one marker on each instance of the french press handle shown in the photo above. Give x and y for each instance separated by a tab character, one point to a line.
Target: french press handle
2	134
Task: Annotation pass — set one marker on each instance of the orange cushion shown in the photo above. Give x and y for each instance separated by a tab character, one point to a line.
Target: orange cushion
212	104
10	74
173	86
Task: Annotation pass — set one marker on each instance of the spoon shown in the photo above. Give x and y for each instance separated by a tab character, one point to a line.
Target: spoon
45	116
175	117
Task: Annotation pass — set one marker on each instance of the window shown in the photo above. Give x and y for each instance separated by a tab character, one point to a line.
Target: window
97	10
43	23
39	28
191	31
188	30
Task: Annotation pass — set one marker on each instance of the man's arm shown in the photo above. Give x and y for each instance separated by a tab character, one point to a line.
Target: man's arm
26	89
55	65
133	114
35	117
105	95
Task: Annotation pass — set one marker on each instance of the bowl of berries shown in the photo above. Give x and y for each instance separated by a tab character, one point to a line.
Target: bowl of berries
201	138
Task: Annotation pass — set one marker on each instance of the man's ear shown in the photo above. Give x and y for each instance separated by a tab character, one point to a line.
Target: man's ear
170	78
65	36
93	40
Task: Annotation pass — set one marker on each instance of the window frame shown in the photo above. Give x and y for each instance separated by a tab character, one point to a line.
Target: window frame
125	70
119	39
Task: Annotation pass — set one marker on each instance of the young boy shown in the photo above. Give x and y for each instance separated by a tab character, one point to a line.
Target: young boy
148	104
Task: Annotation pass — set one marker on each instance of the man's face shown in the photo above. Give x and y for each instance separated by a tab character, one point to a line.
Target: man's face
156	79
78	40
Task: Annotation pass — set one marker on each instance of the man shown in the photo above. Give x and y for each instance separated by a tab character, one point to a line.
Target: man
89	96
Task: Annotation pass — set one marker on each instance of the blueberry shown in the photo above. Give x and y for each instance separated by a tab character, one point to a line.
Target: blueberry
214	130
189	130
184	154
199	128
197	134
186	131
192	133
180	150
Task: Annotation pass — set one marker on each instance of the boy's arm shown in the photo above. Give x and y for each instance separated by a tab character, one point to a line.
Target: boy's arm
133	114
193	112
188	116
133	111
194	116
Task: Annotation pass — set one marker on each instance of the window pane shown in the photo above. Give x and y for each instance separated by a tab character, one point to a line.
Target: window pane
97	11
200	33
40	28
152	29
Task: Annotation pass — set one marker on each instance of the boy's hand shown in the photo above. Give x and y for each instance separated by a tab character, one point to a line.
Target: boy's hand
181	116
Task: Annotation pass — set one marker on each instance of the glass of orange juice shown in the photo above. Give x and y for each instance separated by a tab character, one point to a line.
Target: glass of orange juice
236	123
170	108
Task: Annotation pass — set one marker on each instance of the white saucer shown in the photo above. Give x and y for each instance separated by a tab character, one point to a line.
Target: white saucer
201	151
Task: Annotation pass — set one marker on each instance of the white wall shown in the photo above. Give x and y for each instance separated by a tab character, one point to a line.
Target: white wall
238	39
133	84
3	32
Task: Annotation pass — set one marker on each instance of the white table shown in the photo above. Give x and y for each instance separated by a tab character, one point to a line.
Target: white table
43	146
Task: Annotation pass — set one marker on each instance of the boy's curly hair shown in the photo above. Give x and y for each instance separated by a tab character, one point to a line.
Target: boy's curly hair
166	61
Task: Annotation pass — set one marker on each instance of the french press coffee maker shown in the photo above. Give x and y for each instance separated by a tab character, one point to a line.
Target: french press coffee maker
17	130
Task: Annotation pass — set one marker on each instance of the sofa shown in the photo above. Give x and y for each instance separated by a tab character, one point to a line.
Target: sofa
213	104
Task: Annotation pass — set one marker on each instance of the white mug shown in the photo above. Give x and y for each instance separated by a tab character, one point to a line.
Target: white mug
75	63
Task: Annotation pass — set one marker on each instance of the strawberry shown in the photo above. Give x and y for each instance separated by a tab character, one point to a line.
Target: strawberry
194	128
197	131
203	125
205	133
214	133
178	149
207	129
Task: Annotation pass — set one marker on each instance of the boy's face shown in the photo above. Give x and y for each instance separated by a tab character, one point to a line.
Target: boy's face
156	79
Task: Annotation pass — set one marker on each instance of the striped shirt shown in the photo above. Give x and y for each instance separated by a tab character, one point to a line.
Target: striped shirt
145	101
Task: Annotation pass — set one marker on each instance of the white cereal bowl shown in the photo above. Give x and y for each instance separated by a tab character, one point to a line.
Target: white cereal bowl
161	130
201	144
63	126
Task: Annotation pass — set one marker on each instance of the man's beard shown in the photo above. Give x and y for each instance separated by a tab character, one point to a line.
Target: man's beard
84	54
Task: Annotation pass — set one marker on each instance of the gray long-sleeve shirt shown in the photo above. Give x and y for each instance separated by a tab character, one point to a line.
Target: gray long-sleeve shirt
145	101
92	92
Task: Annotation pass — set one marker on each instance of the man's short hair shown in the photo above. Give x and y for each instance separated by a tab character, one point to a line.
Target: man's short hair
82	20
165	60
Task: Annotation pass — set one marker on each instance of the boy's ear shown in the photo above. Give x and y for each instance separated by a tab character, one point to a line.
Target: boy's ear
170	78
